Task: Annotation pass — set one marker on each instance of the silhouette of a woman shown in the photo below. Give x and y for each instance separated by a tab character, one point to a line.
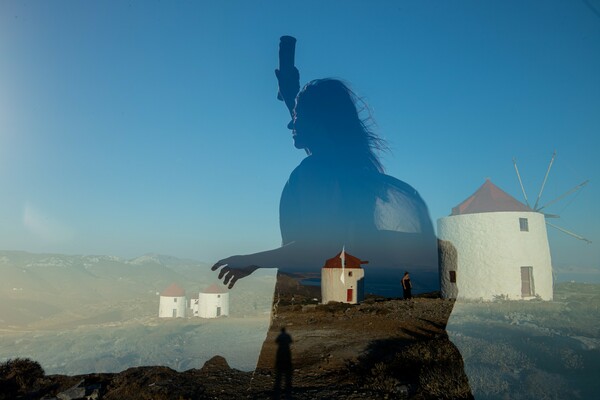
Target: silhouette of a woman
339	196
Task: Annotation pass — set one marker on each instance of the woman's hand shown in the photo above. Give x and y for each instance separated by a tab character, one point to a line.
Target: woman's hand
232	269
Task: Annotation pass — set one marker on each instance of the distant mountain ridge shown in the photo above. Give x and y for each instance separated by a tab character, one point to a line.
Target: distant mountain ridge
38	286
17	256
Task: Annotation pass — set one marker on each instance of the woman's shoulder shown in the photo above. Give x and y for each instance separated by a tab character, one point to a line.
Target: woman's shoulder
399	207
400	187
315	162
313	168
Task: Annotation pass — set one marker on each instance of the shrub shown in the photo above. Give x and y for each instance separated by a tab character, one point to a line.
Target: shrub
18	375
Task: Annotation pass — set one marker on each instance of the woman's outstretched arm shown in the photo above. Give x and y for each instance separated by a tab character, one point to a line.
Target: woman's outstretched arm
293	257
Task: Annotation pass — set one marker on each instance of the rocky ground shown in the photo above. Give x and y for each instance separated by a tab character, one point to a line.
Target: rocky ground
380	349
383	348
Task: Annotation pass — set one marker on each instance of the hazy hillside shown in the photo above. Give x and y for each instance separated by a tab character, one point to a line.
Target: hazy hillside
52	290
99	313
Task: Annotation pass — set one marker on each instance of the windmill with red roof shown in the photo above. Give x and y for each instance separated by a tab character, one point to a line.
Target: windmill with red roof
342	279
494	246
213	302
172	302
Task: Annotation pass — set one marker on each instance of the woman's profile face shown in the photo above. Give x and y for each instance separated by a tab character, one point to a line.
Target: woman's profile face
308	130
302	128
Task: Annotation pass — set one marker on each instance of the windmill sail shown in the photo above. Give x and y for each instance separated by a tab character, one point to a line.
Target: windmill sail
521	182
539	209
569	232
545	179
576	188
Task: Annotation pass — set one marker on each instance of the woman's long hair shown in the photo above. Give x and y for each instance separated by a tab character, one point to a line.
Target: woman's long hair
338	109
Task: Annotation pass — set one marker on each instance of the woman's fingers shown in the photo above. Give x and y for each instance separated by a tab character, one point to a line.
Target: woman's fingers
217	266
231	275
225	270
233	281
225	273
227	277
230	279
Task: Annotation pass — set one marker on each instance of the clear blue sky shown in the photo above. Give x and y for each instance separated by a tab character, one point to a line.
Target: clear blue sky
135	127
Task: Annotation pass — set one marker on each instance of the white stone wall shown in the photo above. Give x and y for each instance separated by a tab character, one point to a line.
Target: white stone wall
490	250
332	288
168	304
210	302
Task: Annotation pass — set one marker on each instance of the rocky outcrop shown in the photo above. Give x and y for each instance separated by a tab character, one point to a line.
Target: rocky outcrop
339	352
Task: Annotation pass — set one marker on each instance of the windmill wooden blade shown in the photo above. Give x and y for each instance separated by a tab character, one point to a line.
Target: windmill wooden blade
521	182
544	183
569	232
576	188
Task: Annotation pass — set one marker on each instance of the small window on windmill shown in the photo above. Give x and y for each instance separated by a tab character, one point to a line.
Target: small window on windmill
452	276
218	296
350	273
524	224
174	299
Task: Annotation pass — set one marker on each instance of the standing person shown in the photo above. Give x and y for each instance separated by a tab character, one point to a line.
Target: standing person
339	195
283	365
406	286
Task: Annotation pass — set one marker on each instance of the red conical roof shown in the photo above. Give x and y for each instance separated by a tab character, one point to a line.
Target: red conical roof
350	261
214	289
489	198
173	290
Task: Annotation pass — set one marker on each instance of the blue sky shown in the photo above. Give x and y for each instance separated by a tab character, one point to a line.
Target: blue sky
135	127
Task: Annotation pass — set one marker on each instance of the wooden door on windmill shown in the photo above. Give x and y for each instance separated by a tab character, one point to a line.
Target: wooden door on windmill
527	281
349	295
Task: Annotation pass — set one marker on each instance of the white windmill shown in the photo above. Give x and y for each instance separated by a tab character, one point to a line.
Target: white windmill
493	246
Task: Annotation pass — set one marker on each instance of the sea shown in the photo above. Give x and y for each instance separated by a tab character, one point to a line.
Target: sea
388	285
391	288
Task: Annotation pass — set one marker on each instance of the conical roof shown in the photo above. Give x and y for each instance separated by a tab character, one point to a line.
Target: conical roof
174	290
214	289
349	261
489	198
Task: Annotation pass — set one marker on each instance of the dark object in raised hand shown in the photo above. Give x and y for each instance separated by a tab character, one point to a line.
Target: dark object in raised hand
287	50
287	74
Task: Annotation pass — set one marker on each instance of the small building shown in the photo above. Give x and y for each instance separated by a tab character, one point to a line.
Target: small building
342	279
172	302
194	306
213	302
493	246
